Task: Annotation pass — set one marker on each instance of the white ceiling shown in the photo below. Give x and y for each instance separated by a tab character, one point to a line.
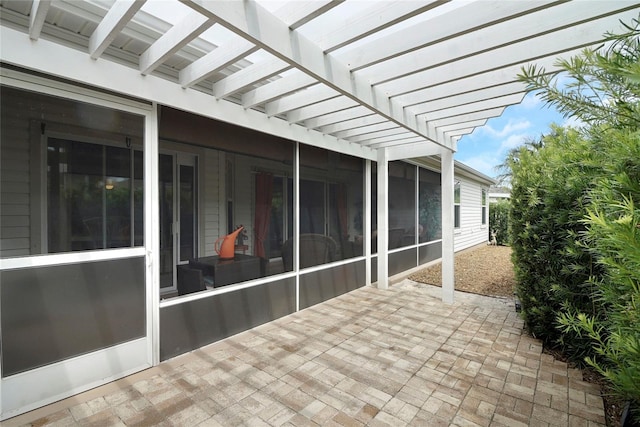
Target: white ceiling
411	76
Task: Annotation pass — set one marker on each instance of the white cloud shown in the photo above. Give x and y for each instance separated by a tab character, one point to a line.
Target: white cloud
513	141
511	127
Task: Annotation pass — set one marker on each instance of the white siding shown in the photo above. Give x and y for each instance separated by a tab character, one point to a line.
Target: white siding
211	194
15	221
471	231
244	199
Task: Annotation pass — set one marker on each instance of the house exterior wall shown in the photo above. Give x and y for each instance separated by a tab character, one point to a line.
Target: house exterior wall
15	218
471	232
211	190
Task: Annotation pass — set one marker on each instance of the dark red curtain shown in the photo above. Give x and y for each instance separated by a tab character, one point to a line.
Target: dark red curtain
264	195
341	202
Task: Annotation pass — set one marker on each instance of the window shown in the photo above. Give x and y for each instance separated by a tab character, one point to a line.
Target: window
76	183
331	204
94	196
484	206
456	205
402	204
429	206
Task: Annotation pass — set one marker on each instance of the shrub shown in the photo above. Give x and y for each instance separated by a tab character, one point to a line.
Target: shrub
613	237
603	248
550	182
499	221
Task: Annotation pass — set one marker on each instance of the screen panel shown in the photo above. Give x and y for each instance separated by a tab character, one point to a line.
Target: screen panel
53	313
193	324
319	286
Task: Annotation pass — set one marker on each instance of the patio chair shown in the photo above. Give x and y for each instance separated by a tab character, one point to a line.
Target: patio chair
190	280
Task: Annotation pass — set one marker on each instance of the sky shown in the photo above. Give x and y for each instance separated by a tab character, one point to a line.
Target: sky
487	146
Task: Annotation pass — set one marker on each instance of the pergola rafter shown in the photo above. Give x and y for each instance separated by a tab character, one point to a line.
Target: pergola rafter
369	74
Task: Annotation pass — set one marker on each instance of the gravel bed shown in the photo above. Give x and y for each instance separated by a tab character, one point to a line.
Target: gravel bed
484	270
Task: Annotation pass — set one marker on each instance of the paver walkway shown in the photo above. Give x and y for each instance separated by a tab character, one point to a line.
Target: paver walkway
371	357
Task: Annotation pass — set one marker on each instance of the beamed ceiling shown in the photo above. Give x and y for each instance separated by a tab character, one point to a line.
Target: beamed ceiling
354	76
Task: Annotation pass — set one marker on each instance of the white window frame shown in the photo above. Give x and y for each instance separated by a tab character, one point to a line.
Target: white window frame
484	195
457	206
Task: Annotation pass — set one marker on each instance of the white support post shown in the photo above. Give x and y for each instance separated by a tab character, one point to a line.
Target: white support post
383	219
296	221
366	222
448	280
152	232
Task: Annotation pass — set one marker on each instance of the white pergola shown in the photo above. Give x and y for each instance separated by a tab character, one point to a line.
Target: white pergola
381	80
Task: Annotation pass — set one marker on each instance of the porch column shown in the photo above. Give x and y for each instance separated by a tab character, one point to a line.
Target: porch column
448	280
382	227
152	230
366	222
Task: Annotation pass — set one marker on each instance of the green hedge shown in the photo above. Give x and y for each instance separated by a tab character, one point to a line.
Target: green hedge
613	238
499	222
548	204
575	215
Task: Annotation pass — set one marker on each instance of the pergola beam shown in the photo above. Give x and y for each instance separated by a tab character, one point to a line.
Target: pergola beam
460	132
358	122
462	125
39	10
364	130
476	82
251	21
320	109
110	27
338	117
309	96
412	151
381	136
301	12
467	98
484	114
173	40
396	80
277	89
248	76
467	18
398	141
473	107
525	35
374	16
214	61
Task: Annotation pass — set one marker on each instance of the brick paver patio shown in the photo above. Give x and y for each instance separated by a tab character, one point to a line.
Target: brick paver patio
371	357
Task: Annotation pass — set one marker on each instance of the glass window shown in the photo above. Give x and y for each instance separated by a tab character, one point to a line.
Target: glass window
429	206
331	206
90	196
484	206
456	205
188	212
238	178
402	204
71	176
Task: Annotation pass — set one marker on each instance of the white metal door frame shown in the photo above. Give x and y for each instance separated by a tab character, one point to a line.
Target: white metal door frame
71	376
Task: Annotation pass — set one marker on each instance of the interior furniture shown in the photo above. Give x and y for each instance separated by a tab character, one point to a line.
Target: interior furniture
190	280
315	249
223	272
242	248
